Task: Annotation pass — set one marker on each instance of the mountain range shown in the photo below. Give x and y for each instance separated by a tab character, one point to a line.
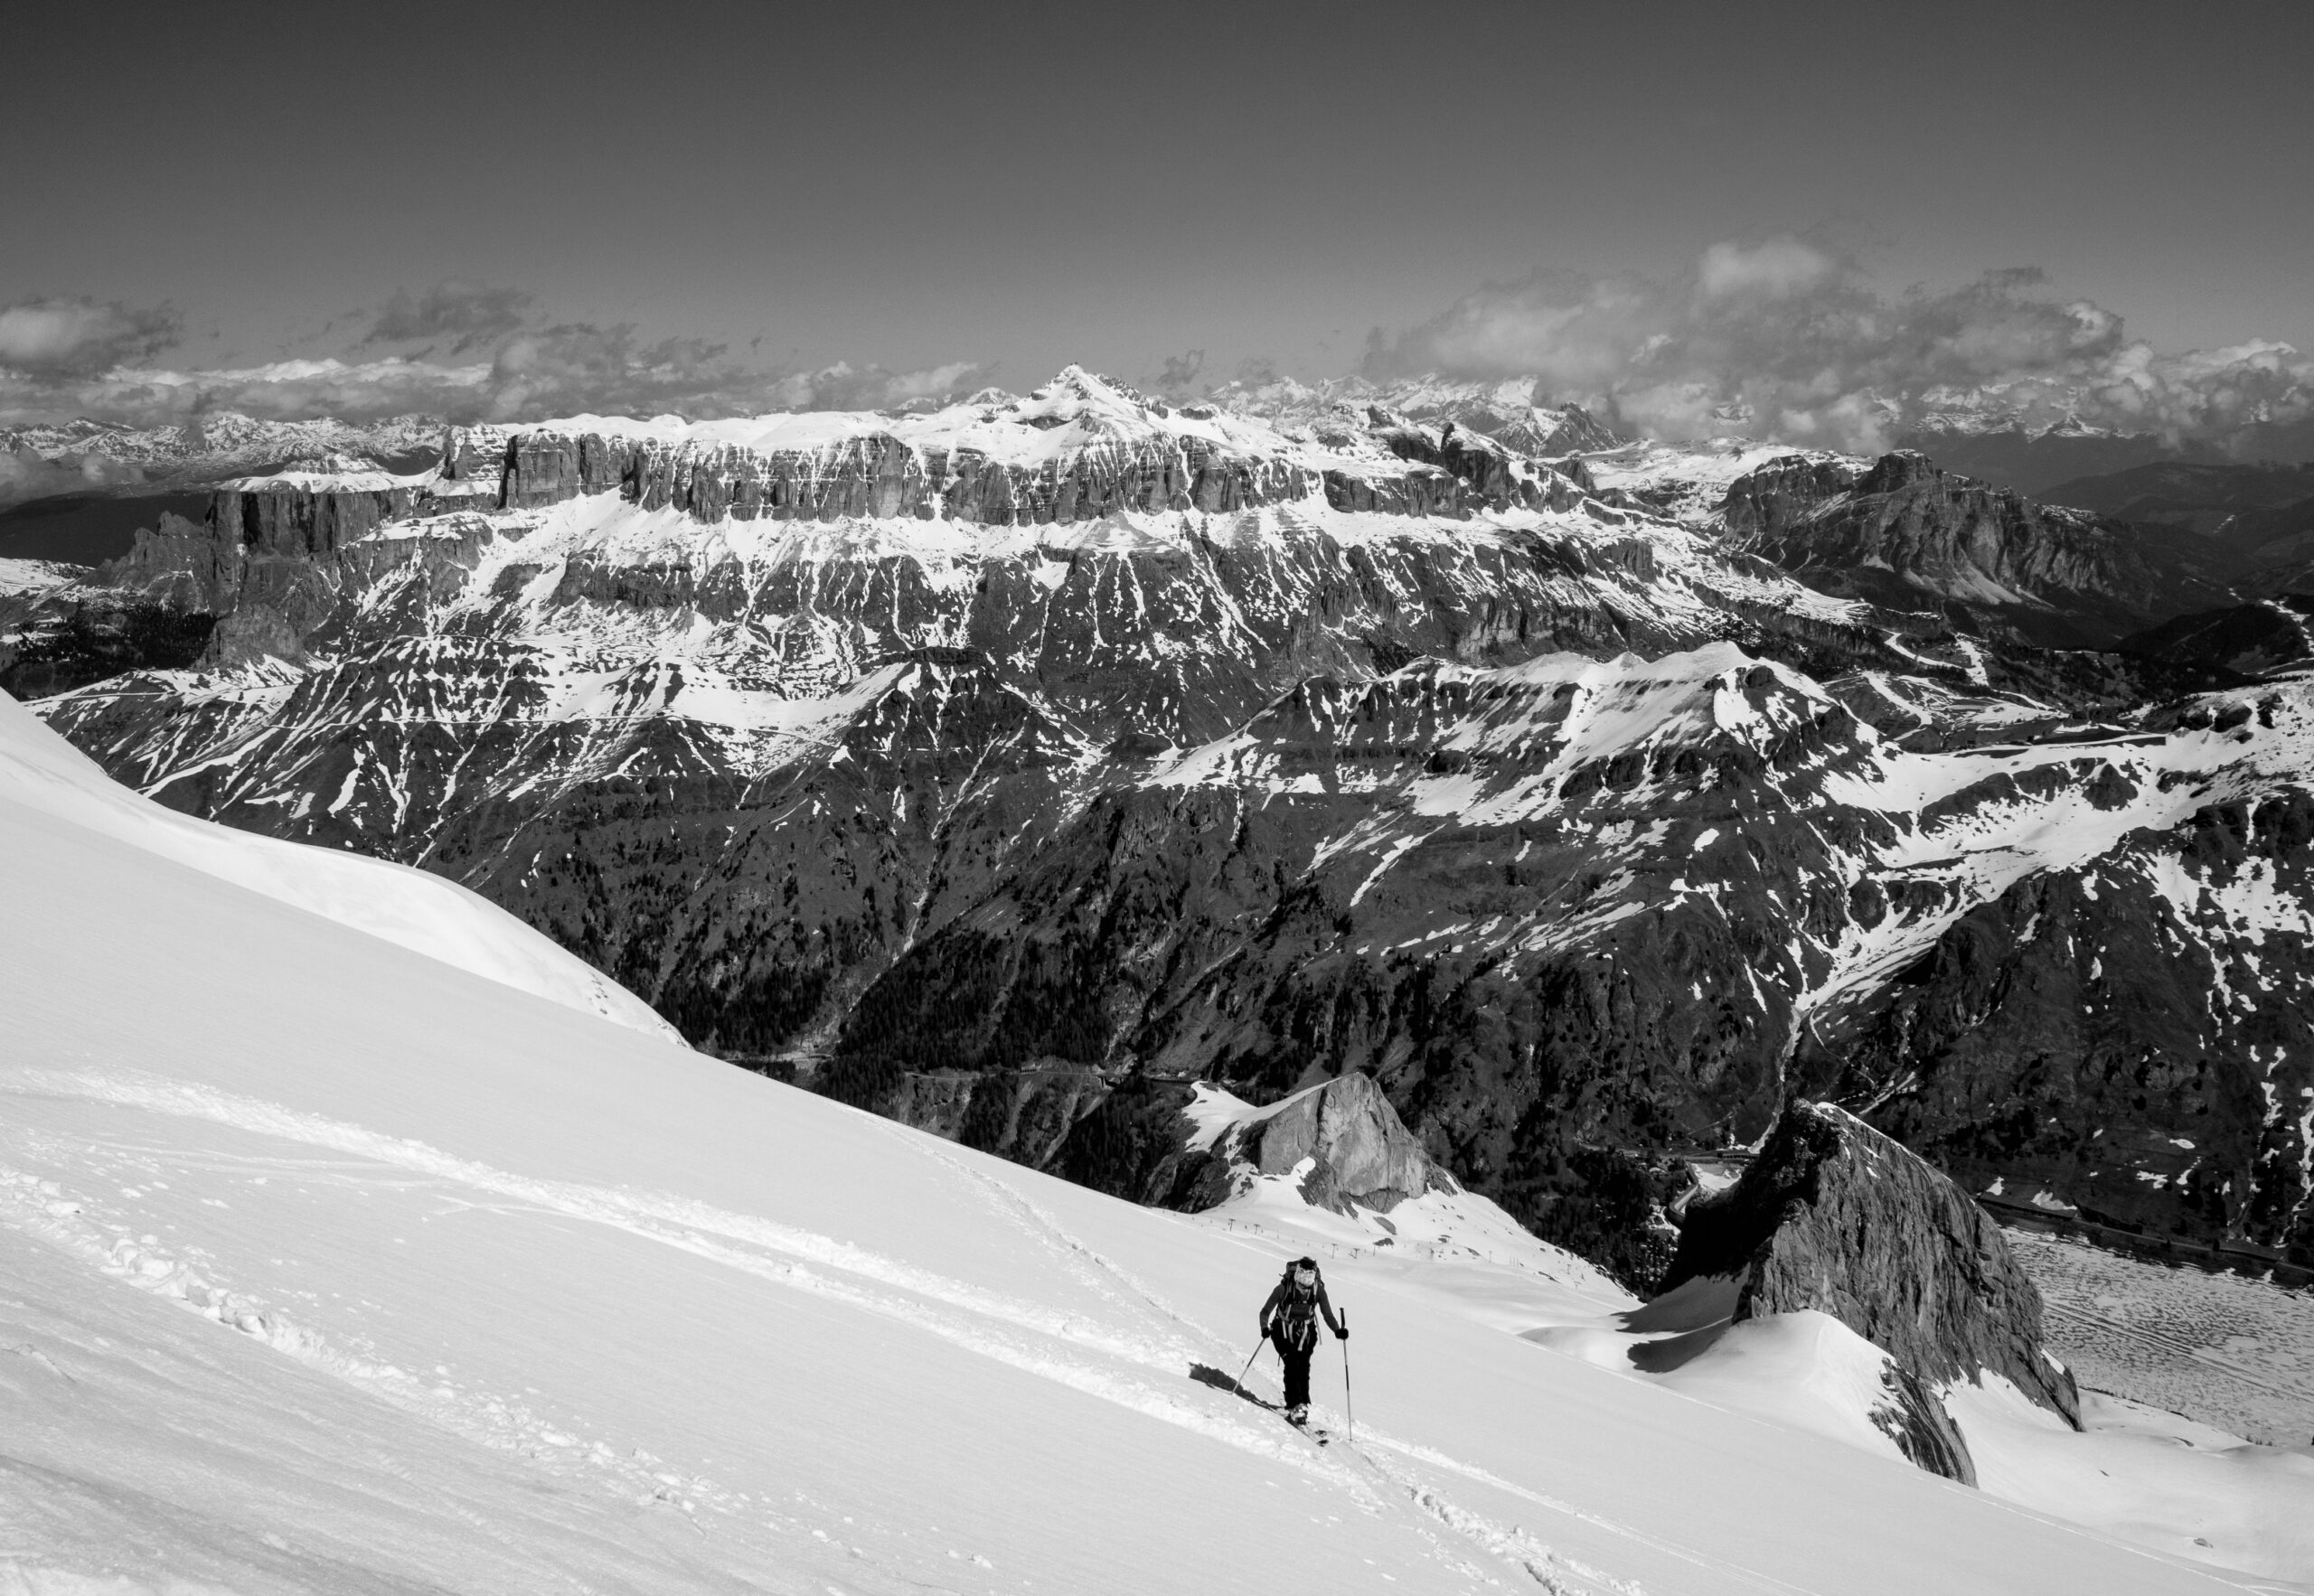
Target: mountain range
358	1239
1017	767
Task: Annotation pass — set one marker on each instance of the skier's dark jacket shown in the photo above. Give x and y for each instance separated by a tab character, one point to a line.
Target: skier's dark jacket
1290	1316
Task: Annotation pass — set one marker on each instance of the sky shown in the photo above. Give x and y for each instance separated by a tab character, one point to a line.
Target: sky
583	206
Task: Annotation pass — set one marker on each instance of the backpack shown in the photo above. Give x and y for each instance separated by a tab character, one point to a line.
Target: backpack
1297	1313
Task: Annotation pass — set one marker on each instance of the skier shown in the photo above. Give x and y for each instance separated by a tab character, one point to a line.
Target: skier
1290	1322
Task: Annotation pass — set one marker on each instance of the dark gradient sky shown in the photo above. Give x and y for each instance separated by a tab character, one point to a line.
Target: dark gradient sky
1029	183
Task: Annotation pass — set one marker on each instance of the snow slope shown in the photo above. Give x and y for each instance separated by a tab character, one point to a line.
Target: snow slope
333	1266
40	771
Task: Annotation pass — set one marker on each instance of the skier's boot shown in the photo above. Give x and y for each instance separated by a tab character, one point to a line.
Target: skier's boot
1298	1414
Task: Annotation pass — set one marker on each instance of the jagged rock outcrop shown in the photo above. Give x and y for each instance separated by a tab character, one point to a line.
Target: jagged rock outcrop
1191	1148
1834	1216
295	549
1492	473
1764	507
1357	1149
1542	432
1908	534
180	563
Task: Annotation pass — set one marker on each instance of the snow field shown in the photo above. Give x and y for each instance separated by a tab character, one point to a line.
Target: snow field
42	774
444	1285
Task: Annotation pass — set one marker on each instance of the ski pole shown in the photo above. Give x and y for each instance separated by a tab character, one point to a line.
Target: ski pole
1249	1362
1349	1415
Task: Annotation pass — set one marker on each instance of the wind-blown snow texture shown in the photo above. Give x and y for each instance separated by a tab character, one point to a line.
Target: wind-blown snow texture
977	763
348	1269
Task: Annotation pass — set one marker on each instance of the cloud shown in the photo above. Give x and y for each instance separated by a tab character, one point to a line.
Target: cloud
70	358
1178	379
26	474
470	315
578	367
54	339
1788	338
461	351
1777	268
537	373
359	390
843	387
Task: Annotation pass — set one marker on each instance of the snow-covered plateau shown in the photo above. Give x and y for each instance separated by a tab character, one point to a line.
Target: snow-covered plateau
334	1263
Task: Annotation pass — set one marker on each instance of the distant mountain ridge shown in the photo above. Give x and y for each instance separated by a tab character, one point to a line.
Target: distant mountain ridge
981	763
106	453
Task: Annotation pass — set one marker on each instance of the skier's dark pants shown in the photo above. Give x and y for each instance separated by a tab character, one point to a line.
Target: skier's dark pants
1297	1371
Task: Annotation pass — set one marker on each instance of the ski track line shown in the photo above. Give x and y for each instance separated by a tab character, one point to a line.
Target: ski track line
623	1207
1704	1560
679	1223
1245	1229
1089	1264
623	1211
45	1210
42	1209
1089	1268
1512	1546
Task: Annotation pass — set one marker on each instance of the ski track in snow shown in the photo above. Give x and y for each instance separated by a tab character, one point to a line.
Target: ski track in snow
1101	1274
968	1317
1375	1470
1513	1546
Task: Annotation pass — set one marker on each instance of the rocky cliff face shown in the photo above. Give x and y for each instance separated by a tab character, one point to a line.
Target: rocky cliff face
1571	915
1100	450
1192	1148
1905	534
965	764
2126	1036
1832	1216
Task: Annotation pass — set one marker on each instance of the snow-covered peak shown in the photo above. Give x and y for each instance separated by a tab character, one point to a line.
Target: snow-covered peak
35	576
1514	411
1073	389
1689	482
